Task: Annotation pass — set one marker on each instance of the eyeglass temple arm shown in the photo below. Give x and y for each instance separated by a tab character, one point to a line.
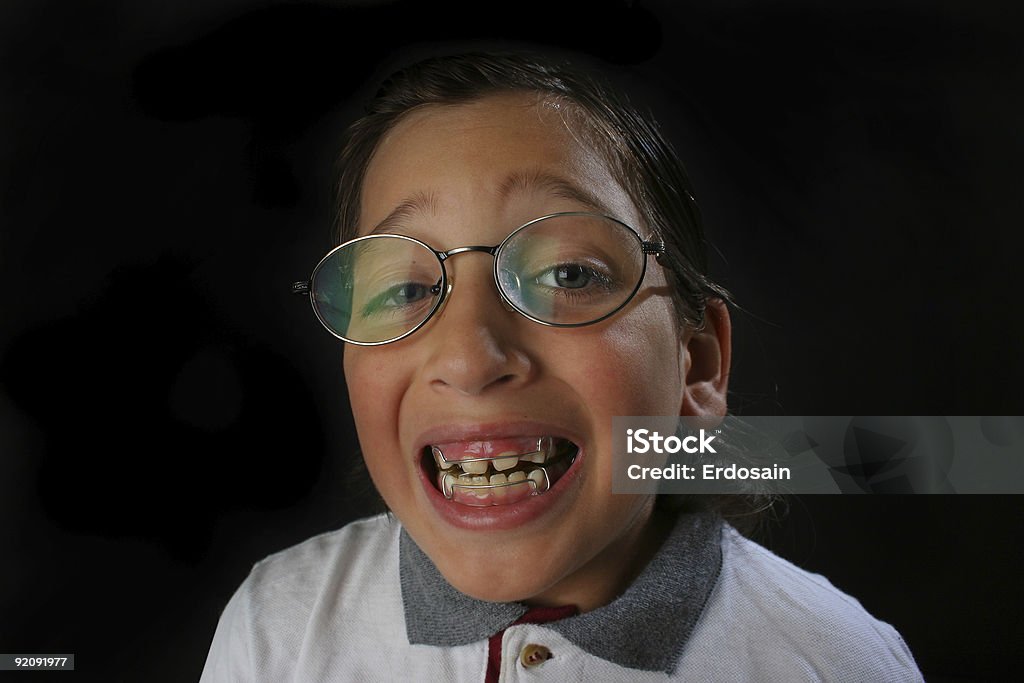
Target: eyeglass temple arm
656	248
300	287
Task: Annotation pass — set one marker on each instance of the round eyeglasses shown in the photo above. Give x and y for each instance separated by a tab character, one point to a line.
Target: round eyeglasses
563	270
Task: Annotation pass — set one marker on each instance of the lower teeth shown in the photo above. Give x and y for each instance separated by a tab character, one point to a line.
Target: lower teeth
538	481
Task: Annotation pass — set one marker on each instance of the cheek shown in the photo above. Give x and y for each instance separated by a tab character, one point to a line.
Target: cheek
631	368
357	373
375	393
374	379
639	368
645	351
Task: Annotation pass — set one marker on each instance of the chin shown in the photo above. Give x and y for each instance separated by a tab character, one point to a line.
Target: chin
484	588
495	580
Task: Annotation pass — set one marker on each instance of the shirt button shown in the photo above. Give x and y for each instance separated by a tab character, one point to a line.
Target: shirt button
534	655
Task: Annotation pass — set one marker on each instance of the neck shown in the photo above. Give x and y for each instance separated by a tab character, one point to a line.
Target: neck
606	576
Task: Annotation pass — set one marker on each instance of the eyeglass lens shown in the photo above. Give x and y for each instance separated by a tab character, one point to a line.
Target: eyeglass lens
561	270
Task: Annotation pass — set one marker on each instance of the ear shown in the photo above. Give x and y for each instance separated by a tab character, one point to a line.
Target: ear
708	357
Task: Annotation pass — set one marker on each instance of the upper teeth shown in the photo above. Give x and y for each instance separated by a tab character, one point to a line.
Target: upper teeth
478	467
506	463
501	462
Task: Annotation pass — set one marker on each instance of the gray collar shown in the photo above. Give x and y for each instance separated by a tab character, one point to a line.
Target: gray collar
644	628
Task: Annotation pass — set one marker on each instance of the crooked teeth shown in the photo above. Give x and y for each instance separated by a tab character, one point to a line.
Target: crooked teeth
502	464
471	474
504	461
446	480
539	477
478	467
495	485
439	458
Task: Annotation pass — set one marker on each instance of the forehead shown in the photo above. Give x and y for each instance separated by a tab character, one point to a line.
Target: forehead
475	155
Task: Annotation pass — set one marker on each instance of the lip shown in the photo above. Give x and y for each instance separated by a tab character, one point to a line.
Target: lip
497	517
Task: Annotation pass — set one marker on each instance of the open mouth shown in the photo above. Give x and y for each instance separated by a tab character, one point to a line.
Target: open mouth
499	471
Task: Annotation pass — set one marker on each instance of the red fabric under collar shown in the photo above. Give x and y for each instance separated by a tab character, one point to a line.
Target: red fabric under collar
535	615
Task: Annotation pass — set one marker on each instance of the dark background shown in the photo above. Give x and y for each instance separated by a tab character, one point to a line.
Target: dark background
169	414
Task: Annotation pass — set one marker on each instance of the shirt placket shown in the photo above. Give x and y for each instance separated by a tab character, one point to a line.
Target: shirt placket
531	655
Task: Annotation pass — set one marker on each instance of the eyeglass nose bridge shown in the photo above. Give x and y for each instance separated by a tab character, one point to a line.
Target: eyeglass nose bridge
443	256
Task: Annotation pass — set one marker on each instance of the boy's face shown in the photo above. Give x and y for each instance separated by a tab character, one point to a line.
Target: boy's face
479	372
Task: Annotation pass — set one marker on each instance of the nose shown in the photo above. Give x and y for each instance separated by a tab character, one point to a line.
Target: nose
476	342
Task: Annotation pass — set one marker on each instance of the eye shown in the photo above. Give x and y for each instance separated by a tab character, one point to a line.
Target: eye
409	292
399	296
572	276
567	276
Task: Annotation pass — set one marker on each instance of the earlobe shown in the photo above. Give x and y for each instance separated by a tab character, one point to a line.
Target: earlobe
709	354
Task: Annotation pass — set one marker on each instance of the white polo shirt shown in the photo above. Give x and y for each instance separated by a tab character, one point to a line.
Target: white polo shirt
365	604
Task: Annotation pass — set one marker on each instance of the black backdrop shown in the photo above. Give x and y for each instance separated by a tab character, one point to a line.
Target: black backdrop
169	414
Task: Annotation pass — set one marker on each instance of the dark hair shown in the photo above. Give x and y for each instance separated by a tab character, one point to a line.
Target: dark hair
638	155
640	158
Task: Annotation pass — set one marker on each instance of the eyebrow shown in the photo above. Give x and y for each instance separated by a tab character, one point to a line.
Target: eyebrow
555	185
518	182
419	203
